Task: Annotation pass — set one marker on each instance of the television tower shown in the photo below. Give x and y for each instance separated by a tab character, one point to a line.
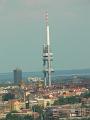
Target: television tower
47	56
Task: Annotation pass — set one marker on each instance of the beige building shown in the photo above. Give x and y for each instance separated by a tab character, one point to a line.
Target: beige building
45	102
14	105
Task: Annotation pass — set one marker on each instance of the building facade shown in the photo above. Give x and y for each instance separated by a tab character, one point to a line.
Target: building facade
17	76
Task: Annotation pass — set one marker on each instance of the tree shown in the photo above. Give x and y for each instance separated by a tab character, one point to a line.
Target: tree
86	95
39	109
67	100
8	96
48	103
11	117
28	117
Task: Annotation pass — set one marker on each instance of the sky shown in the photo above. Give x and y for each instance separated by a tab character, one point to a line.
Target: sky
22	33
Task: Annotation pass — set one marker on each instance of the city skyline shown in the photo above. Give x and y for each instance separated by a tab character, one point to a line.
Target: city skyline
22	32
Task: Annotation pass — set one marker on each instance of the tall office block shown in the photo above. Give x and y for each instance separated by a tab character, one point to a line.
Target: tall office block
17	76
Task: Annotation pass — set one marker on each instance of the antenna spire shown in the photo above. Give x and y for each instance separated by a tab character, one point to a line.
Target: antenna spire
46	18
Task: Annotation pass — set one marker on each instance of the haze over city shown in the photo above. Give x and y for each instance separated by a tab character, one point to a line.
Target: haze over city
22	32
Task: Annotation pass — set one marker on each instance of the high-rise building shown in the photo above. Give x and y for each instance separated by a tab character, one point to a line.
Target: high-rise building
17	76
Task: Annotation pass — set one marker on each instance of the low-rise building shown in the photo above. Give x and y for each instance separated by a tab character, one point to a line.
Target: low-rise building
14	105
45	102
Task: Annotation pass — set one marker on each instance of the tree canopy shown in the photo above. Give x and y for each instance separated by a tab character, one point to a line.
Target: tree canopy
67	100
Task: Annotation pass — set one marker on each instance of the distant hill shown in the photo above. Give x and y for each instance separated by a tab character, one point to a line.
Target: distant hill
73	72
6	77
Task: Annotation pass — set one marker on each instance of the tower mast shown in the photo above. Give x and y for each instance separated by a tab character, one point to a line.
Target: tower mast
47	56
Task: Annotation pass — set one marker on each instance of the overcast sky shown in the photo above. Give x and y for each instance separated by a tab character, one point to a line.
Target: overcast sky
22	32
